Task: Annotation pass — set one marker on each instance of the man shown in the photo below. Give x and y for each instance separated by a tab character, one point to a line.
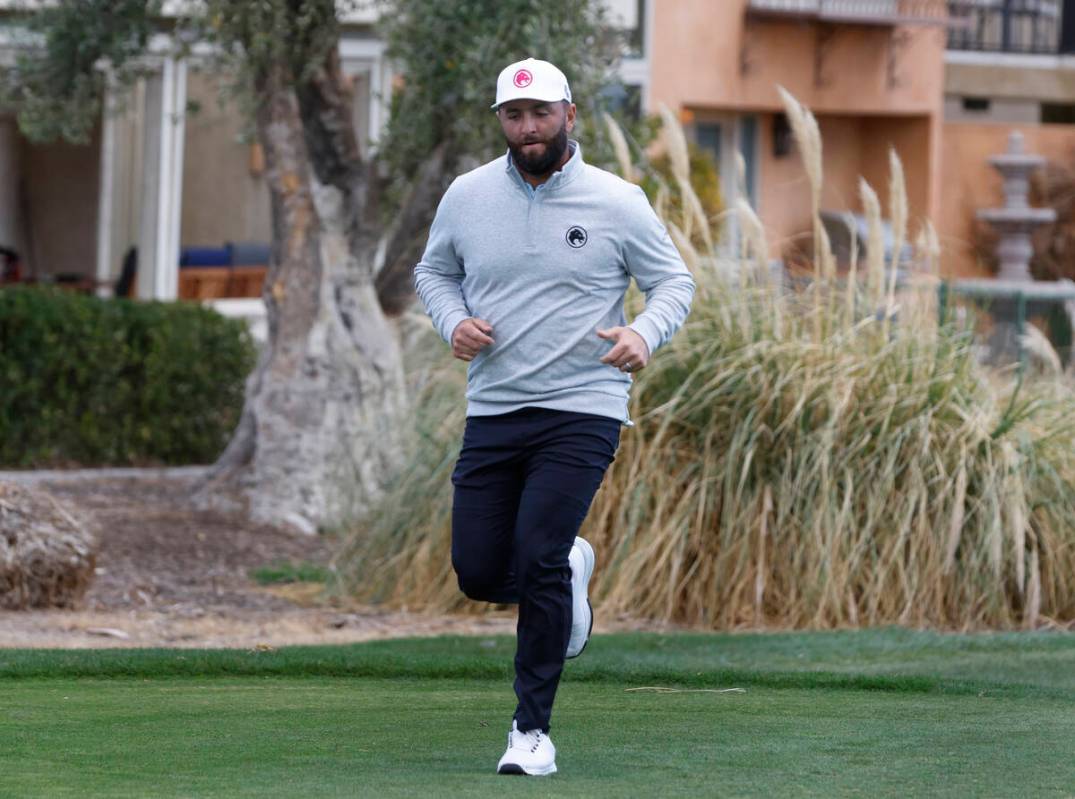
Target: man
524	274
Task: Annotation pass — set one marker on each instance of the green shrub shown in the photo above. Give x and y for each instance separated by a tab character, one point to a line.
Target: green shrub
87	381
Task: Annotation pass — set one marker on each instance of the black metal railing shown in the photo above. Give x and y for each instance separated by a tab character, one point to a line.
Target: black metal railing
867	12
1013	26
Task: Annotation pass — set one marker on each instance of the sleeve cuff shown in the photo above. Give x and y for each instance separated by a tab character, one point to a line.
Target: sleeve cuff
645	328
451	322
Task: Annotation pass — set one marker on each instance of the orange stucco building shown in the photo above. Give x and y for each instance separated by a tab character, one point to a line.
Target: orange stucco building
942	82
873	82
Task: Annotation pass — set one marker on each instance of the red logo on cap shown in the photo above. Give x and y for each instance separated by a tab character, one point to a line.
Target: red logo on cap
523	78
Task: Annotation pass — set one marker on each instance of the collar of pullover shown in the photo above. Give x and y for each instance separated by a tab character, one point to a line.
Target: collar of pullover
561	177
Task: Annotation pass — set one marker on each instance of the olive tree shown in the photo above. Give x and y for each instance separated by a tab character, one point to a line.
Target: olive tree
324	408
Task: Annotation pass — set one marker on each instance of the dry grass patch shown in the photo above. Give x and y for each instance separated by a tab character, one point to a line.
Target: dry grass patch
821	458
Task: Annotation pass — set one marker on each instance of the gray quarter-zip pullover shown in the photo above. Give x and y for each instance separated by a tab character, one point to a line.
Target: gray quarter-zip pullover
547	268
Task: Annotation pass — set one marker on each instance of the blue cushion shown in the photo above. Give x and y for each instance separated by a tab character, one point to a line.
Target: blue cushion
204	256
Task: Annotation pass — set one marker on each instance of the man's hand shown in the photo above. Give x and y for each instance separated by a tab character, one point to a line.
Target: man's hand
470	336
630	352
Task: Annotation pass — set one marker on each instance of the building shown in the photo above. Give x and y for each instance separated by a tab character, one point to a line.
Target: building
156	181
155	177
1012	65
941	81
872	72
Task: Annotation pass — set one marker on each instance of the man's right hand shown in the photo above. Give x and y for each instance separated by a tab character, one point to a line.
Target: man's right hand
469	337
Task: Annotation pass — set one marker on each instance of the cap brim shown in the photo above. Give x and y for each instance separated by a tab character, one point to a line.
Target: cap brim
558	99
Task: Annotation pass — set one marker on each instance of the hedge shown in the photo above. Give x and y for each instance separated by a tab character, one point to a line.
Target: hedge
95	382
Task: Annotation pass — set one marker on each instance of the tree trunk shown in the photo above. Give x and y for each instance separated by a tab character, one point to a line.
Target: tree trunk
319	430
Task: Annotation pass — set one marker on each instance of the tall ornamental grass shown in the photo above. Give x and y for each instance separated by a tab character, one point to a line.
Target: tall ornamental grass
828	457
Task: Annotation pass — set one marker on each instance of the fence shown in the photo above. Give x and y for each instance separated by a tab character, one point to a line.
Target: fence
1012	26
865	12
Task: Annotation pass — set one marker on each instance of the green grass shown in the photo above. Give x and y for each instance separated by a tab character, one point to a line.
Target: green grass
883	712
286	572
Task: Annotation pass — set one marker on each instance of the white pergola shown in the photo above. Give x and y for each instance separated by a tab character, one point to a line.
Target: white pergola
141	158
159	103
142	151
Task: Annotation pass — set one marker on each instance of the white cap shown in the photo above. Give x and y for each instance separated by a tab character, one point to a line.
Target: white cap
531	79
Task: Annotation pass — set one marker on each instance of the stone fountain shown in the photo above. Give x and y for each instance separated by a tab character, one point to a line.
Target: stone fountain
1017	220
1014	295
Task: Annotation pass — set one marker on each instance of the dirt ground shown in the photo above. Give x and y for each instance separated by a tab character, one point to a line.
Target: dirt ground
170	576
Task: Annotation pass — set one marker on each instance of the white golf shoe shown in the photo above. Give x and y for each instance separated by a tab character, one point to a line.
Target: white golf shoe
581	561
529	753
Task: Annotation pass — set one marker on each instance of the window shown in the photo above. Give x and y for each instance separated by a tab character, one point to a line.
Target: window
976	105
623	100
629	18
723	138
1058	113
748	143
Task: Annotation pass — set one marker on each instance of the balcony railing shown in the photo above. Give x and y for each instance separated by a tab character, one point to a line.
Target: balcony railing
1013	26
858	12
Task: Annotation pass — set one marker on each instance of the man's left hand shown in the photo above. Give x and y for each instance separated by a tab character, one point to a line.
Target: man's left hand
629	354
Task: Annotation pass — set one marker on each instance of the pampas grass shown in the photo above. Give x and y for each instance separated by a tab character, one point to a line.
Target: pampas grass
799	460
897	207
875	244
692	220
621	149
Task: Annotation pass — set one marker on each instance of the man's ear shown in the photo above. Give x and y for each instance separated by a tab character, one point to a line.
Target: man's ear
570	110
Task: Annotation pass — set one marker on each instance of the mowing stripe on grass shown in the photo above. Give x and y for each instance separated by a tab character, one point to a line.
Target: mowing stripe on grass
887	660
261	737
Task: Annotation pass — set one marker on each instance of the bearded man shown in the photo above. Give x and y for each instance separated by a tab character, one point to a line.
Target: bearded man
524	275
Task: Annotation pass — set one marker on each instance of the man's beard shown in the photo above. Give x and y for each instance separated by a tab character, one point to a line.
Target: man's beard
541	165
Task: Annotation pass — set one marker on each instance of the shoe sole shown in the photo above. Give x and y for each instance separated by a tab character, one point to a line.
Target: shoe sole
588	559
588	634
517	770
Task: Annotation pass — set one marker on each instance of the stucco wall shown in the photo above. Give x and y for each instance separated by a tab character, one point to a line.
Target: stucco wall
1001	109
783	191
969	183
708	53
61	186
851	147
713	57
1053	81
222	200
910	138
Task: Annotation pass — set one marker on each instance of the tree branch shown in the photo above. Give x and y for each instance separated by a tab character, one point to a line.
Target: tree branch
406	238
325	102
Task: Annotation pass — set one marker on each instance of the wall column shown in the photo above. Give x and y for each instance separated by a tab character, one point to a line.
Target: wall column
106	197
9	183
162	181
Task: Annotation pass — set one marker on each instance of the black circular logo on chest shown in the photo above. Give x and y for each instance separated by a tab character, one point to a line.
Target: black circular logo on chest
576	236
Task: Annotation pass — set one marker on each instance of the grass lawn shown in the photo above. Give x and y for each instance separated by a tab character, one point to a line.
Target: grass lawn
878	713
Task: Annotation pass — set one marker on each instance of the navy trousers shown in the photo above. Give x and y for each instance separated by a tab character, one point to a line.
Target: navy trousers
523	484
